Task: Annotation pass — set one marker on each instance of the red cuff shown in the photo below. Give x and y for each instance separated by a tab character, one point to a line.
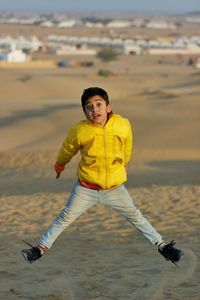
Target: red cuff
59	168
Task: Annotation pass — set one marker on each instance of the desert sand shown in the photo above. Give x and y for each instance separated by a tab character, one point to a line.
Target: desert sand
101	256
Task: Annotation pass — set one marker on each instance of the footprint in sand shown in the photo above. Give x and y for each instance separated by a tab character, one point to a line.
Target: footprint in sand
180	276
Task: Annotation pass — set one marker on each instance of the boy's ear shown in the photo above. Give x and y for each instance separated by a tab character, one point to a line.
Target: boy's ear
109	108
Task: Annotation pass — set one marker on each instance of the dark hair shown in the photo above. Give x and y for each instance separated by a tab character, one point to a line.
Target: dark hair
93	91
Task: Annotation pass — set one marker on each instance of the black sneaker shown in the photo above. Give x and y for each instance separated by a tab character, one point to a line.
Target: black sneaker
170	252
32	254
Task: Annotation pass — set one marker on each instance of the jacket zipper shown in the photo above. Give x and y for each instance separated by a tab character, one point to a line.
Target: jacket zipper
106	159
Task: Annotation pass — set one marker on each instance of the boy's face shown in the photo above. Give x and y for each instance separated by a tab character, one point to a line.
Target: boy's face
96	110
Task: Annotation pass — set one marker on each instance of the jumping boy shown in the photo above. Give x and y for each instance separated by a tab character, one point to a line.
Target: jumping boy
104	140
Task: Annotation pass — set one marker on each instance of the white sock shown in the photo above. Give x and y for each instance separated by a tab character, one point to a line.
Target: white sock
160	244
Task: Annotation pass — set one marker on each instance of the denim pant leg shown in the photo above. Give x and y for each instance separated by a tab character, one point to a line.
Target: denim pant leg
79	201
120	200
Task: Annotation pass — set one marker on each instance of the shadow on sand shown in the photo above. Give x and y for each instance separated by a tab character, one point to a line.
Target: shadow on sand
168	172
163	173
22	115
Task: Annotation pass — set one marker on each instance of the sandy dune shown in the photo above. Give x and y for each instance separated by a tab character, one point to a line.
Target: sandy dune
101	256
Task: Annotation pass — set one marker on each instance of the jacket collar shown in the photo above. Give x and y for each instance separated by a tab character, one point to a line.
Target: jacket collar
110	118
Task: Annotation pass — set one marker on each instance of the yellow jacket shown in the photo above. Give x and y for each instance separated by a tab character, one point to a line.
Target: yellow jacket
105	151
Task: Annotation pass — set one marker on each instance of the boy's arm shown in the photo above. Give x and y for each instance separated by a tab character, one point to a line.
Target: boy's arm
128	145
68	149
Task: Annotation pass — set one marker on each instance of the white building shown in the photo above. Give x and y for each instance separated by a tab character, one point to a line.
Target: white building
47	24
74	50
14	56
67	24
189	50
160	25
139	22
94	25
193	19
119	24
32	43
129	49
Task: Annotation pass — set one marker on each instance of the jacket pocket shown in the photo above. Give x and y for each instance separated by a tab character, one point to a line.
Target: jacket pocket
118	144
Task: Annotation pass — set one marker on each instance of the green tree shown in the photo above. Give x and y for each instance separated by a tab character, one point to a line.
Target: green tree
107	54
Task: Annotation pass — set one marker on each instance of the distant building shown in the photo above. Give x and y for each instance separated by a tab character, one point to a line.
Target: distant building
47	24
14	56
129	49
75	50
193	19
67	24
27	44
139	22
119	24
160	25
95	25
189	50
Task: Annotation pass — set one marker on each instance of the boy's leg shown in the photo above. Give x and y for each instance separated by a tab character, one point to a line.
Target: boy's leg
80	200
120	200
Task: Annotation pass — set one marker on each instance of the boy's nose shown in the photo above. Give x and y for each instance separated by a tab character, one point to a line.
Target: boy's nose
94	108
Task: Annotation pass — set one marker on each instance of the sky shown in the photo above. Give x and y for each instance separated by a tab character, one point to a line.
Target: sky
87	6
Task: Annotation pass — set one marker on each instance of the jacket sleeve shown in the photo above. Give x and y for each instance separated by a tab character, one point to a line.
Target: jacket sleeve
128	144
69	147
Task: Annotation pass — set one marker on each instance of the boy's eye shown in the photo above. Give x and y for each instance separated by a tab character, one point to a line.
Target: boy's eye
89	107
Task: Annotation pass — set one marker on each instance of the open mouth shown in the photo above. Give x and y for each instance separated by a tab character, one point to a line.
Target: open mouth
96	116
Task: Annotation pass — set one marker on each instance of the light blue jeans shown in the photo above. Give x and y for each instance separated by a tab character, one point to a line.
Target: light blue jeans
82	198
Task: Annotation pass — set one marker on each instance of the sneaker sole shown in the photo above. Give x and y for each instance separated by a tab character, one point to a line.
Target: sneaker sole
25	257
180	258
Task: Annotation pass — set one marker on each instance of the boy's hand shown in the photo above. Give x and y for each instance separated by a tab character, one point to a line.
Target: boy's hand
59	169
